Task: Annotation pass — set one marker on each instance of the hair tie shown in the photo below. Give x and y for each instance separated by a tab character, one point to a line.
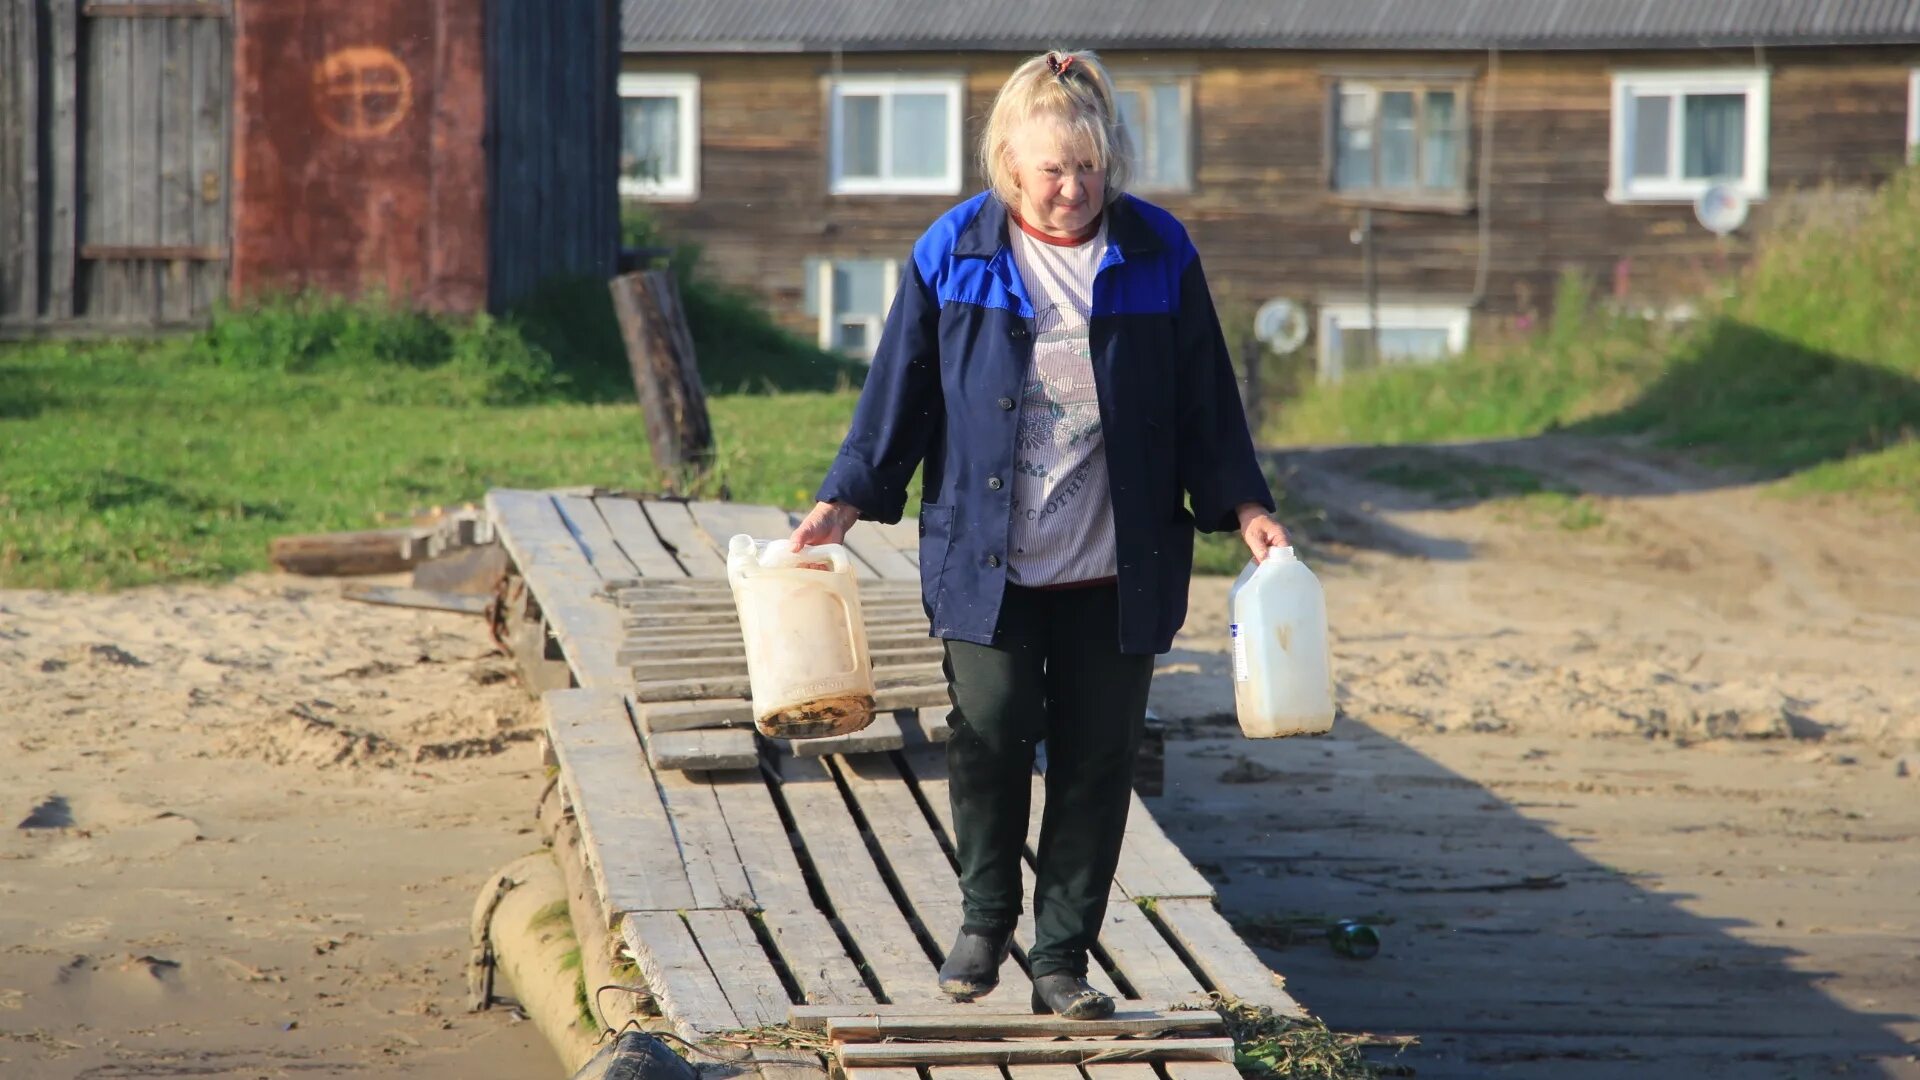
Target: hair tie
1059	64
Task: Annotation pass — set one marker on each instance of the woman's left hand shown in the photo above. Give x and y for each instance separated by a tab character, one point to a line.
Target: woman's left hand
1261	532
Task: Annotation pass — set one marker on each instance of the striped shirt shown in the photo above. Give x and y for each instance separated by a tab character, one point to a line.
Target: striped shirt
1062	508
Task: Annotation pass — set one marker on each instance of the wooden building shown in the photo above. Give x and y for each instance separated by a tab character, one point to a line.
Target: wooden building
158	157
1431	167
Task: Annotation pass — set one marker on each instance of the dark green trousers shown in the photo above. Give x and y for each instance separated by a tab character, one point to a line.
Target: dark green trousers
1054	672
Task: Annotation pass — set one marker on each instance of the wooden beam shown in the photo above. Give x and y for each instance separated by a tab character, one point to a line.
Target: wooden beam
944	1026
157	252
866	1055
635	535
708	748
629	837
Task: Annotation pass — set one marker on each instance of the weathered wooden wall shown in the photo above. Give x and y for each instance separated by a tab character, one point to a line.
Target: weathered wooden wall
114	177
553	132
1261	211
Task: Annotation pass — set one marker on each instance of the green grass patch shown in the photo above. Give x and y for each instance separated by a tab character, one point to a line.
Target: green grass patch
1808	369
1559	509
1455	480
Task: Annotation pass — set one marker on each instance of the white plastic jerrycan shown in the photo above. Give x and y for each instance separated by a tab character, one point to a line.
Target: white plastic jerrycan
1282	672
806	644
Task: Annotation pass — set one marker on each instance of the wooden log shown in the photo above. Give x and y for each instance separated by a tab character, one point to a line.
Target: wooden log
374	551
867	1055
945	1026
666	375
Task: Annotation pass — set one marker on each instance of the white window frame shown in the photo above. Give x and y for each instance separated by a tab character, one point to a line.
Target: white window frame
1455	319
828	323
886	86
1623	187
686	88
1913	114
1143	83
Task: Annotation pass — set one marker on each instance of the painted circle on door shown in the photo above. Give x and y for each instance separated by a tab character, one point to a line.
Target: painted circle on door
362	92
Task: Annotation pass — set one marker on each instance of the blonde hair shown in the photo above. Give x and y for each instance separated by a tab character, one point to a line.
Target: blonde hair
1071	89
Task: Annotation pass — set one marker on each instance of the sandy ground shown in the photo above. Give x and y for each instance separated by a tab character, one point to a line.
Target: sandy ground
260	813
1686	723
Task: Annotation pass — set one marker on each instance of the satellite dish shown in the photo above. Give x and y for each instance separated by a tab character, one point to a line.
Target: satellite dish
1722	208
1282	324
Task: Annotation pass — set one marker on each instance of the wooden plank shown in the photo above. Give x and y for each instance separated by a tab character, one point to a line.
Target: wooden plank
806	943
933	722
778	1064
883	733
714	870
1201	1070
745	974
1152	1023
965	1072
815	1017
888	677
863	1055
427	599
19	113
156	10
707	748
1152	866
861	901
919	864
629	837
881	1074
673	524
1134	1071
175	226
209	161
1043	1072
635	535
103	214
1230	967
159	250
721	521
1142	957
568	589
682	983
874	549
140	181
595	539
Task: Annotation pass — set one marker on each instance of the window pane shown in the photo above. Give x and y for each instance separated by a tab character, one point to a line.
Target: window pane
1169	155
852	337
1396	139
1413	343
1353	150
1440	146
920	136
1716	136
860	136
1651	116
859	287
650	137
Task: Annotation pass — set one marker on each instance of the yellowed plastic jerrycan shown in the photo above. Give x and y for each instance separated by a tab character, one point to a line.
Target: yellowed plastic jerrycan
807	659
1282	669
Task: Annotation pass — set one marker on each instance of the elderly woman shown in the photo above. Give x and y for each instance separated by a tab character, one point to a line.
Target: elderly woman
1054	360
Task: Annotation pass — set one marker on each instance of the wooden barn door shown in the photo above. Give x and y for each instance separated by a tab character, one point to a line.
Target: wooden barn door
155	160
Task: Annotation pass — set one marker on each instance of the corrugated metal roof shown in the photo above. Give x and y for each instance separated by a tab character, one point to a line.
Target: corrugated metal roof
911	25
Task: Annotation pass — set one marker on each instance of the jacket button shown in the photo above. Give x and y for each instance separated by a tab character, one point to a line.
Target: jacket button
993	560
1006	403
993	482
1018	331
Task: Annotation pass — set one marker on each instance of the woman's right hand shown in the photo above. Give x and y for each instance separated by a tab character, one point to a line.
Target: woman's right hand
826	524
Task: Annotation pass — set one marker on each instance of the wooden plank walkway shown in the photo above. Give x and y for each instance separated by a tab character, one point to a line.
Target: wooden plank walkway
756	882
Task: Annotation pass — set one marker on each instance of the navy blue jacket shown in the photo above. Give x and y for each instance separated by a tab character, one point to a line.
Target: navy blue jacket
946	386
